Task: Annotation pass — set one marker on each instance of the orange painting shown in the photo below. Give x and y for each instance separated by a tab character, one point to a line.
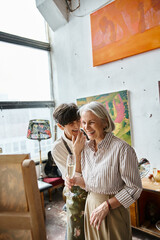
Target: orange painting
124	28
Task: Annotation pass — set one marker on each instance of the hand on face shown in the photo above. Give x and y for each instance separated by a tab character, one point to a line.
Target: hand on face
71	129
78	143
99	214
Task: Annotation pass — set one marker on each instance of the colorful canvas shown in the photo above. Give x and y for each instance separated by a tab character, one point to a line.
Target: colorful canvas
117	105
124	28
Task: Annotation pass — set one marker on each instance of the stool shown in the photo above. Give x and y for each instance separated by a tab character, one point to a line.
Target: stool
56	183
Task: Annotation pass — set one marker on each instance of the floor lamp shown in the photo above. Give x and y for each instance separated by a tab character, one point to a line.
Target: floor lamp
39	129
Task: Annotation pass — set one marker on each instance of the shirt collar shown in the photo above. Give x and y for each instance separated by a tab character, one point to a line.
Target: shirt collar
103	144
106	141
90	144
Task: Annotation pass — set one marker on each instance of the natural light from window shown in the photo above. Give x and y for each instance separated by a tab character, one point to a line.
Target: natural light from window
24	76
22	18
25	73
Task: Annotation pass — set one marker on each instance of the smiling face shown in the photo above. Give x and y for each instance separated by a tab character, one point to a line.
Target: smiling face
71	129
93	126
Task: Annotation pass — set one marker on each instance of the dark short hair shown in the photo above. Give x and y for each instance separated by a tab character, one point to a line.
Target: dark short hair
66	113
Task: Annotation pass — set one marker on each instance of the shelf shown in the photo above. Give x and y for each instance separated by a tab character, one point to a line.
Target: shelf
150	230
143	209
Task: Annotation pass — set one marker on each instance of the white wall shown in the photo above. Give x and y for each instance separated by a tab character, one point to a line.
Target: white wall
75	77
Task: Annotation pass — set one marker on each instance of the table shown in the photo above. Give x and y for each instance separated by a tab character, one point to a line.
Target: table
42	186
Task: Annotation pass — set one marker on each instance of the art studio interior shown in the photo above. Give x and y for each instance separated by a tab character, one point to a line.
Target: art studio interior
75	51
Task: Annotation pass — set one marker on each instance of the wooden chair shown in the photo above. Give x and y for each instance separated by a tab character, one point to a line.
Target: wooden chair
21	215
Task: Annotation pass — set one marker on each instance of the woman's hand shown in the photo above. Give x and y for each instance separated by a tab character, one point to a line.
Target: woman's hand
69	182
75	181
99	214
78	143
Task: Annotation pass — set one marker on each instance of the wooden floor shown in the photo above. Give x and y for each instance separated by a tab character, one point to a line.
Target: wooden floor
56	219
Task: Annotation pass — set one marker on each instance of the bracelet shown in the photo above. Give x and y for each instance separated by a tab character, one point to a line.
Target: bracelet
109	205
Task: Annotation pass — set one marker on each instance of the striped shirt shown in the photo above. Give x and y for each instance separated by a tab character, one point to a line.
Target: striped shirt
113	169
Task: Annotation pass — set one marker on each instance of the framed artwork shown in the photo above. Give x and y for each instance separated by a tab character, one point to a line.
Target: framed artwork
117	105
124	28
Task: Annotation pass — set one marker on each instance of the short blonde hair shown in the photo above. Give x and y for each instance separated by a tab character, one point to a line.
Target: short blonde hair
100	111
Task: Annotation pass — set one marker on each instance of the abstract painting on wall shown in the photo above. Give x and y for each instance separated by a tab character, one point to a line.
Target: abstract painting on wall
124	28
117	105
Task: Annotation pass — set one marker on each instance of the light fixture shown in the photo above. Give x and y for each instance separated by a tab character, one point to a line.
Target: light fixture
39	129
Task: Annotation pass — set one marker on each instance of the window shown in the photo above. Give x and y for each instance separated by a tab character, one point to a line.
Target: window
26	84
25	73
22	18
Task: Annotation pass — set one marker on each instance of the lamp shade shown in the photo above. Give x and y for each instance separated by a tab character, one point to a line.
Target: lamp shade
39	129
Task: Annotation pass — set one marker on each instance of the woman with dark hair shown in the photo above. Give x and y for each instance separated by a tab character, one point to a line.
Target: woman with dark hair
110	174
67	119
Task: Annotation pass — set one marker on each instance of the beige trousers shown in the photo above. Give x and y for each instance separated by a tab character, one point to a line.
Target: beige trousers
116	225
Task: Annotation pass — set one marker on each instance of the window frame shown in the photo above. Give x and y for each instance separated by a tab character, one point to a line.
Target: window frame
46	46
27	42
